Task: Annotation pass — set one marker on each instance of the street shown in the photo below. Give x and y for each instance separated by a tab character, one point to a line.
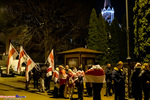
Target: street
12	86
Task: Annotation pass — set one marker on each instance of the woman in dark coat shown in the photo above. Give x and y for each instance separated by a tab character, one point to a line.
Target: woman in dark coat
145	74
136	82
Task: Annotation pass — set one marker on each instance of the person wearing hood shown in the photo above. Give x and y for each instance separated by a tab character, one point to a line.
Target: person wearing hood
136	82
145	74
119	81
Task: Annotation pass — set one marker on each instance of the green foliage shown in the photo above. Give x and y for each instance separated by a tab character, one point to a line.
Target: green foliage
116	41
142	30
97	39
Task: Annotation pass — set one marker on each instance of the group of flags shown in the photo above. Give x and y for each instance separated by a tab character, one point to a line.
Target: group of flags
25	58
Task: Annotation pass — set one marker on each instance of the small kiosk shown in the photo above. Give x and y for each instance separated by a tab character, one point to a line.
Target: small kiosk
79	56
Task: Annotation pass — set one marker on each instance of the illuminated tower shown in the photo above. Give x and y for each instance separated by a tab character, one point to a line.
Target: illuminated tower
108	11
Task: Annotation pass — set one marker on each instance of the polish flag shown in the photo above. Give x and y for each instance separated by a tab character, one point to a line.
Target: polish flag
55	76
12	56
22	58
51	59
30	65
95	74
49	71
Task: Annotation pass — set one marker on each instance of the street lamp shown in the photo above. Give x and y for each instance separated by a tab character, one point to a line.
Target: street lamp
128	50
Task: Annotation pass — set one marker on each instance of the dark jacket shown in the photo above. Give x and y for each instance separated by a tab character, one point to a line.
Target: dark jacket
136	82
43	72
145	74
108	73
118	76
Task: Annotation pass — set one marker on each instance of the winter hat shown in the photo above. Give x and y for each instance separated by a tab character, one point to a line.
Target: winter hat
138	65
69	70
120	63
60	66
57	69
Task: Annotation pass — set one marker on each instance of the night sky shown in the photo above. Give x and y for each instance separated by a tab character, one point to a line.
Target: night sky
118	5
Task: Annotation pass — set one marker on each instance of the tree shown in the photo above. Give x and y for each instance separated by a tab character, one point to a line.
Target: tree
115	44
142	30
49	24
97	39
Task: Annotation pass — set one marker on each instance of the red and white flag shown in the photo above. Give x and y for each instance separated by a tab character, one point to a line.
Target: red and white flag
51	59
11	56
22	58
49	71
55	76
30	65
95	74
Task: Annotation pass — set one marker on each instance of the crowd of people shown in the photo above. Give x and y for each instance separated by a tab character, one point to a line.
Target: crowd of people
66	79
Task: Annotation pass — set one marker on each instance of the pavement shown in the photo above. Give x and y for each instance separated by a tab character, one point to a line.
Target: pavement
15	86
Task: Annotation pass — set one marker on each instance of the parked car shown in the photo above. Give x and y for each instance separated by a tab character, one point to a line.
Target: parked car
4	72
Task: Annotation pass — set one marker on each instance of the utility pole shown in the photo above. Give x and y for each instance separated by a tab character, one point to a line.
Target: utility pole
128	50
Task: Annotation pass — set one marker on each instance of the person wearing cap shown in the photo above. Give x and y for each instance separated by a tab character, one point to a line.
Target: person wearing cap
136	82
119	81
145	74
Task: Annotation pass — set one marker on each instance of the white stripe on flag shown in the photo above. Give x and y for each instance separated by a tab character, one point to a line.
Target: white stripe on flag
95	79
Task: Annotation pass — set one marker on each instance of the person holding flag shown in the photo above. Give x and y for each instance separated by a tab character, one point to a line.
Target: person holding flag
48	77
95	75
56	82
30	65
50	68
11	56
62	80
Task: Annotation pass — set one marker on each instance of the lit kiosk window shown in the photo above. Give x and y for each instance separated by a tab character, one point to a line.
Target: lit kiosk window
108	11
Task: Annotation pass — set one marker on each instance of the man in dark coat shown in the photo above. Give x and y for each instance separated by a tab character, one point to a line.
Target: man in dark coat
79	83
136	82
89	85
108	73
36	76
119	81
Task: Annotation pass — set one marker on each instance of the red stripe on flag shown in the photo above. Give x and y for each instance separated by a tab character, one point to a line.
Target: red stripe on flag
95	72
51	56
21	55
11	52
28	63
49	69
